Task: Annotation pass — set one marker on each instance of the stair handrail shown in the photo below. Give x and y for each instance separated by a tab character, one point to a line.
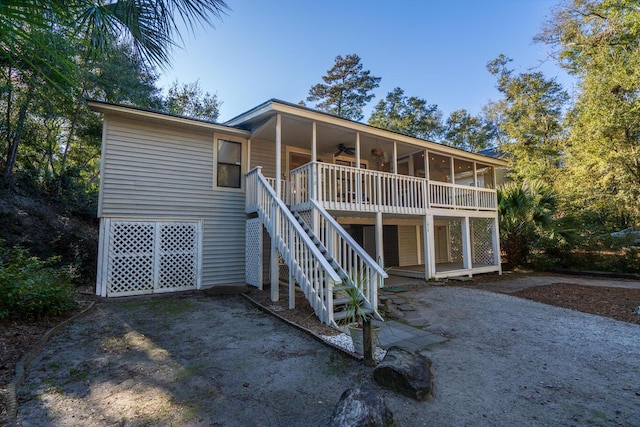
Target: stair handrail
263	198
375	279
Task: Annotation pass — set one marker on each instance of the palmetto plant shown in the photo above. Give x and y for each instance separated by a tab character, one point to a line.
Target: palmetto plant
150	26
357	312
526	211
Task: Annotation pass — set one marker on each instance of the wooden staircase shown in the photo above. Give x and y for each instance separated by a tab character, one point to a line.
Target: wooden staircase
340	300
324	265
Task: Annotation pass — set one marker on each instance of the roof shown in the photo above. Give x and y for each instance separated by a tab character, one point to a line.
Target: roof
248	122
158	116
260	114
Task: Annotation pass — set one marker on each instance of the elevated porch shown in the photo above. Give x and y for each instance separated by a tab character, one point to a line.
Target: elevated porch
353	189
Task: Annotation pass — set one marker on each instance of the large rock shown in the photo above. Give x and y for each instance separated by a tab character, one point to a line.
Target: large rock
361	408
406	372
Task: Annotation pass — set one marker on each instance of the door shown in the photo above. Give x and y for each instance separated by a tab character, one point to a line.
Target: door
145	257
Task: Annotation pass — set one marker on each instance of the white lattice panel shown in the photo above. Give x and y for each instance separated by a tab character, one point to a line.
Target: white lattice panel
455	234
177	256
130	262
152	256
482	241
253	252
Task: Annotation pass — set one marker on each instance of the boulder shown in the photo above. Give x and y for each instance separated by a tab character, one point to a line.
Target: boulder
361	408
406	372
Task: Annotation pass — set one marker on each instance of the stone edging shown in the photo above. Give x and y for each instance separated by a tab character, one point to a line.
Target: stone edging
301	328
23	364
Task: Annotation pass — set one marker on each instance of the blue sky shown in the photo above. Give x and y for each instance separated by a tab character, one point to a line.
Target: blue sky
433	49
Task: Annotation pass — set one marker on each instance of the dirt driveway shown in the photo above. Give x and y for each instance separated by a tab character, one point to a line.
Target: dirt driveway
203	360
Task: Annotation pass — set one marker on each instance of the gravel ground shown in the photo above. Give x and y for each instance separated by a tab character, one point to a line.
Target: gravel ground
218	361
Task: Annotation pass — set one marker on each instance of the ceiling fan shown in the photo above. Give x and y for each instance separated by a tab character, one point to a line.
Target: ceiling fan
350	151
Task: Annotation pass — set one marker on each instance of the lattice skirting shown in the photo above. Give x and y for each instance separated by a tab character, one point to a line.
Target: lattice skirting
144	257
253	252
482	244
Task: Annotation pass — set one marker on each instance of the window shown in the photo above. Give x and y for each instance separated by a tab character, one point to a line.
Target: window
229	163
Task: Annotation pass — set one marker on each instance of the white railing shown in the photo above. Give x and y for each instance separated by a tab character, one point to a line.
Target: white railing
338	187
362	270
306	264
345	188
285	189
444	195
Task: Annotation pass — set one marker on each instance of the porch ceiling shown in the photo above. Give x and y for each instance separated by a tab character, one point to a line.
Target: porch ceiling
332	131
298	131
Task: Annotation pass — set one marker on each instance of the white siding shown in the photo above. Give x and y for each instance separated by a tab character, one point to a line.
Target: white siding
407	249
156	172
263	154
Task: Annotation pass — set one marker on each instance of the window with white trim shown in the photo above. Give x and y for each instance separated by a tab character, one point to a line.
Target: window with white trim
229	164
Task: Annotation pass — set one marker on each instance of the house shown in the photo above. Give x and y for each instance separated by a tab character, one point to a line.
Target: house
283	192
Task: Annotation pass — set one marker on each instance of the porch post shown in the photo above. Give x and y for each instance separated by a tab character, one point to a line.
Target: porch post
419	246
379	241
427	190
496	245
314	143
394	160
452	170
466	244
428	242
275	267
313	179
359	196
292	283
358	150
274	260
278	154
475	185
426	164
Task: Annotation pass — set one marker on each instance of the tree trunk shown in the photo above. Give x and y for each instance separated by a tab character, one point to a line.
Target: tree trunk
13	141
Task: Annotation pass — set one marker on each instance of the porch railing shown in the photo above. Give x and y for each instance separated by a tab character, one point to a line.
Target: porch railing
444	195
285	189
337	187
306	263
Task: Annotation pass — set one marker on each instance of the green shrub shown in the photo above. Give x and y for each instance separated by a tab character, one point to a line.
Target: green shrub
31	288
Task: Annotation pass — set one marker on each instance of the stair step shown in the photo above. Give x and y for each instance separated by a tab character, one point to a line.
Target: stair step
340	301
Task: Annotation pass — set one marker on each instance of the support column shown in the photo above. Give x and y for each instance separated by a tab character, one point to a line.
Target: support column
394	161
429	247
466	244
312	177
496	245
379	240
358	195
358	150
314	143
278	154
275	267
418	245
